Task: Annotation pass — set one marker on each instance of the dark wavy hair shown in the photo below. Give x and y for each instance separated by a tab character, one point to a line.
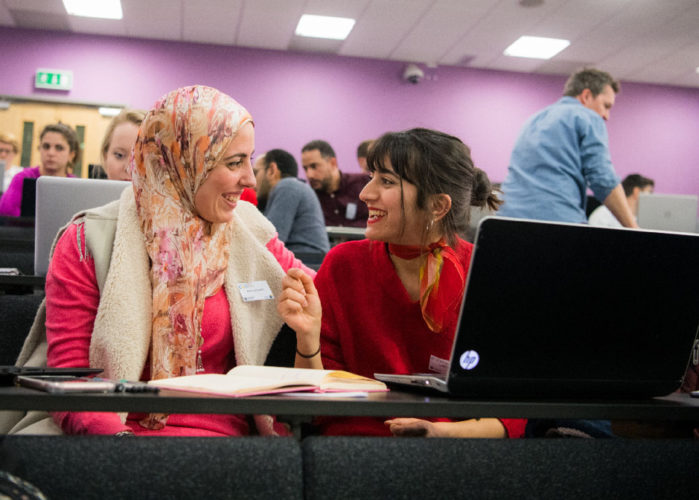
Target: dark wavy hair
435	163
69	135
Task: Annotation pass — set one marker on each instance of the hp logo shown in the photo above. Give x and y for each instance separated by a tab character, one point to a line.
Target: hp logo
469	360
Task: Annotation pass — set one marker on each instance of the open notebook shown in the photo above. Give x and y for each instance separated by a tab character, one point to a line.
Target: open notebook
568	310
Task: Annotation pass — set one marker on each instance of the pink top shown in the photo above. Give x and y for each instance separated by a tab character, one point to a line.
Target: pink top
11	201
72	298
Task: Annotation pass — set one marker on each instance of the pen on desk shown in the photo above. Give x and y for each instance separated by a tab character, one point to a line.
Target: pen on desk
128	386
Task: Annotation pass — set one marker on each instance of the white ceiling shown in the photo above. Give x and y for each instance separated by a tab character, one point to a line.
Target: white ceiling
652	41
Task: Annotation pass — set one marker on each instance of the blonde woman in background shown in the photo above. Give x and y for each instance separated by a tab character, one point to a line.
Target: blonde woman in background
118	143
9	147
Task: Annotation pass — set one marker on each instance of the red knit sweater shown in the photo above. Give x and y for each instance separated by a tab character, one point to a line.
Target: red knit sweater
370	324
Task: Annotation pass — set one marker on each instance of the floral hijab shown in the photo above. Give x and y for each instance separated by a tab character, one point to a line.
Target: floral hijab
180	141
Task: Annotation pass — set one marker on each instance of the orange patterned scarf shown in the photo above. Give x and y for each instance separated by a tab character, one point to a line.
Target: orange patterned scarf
442	279
180	141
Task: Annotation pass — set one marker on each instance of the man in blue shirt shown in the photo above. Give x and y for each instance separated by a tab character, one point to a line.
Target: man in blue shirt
562	151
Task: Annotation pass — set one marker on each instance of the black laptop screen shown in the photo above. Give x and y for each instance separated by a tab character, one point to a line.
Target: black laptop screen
573	303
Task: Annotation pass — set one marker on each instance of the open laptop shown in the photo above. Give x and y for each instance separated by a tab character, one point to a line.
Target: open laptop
58	199
669	212
567	310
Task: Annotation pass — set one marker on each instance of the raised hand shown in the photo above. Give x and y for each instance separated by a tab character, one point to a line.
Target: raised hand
299	306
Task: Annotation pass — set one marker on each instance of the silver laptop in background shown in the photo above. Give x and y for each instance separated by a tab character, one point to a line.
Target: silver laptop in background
668	212
57	200
2	176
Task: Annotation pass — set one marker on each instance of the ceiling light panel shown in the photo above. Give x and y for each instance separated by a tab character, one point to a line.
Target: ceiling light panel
536	47
104	9
334	28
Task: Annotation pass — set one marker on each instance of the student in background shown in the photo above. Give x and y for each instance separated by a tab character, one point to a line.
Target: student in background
158	303
390	303
561	151
261	185
9	148
118	143
634	185
362	153
292	206
59	149
337	192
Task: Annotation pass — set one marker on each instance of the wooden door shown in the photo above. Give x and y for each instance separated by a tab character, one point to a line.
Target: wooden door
26	120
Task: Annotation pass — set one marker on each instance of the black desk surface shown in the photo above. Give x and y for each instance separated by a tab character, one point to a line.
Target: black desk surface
394	403
7	280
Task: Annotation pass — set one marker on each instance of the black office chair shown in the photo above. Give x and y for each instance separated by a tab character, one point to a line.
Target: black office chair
28	204
156	467
359	467
23	260
283	350
95	171
17	313
592	204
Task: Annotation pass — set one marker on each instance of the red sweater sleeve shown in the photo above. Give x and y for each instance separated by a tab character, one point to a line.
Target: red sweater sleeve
72	297
514	426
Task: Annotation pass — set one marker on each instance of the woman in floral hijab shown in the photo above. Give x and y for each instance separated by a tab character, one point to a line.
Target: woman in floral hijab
164	299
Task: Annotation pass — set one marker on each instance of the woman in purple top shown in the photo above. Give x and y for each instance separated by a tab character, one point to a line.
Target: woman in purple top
59	149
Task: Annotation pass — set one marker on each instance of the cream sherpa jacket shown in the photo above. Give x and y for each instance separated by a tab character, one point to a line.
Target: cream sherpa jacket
121	334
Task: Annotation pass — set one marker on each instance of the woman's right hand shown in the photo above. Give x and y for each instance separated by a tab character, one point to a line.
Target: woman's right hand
299	306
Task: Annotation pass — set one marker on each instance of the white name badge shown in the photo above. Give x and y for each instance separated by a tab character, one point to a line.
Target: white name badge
257	290
351	211
439	365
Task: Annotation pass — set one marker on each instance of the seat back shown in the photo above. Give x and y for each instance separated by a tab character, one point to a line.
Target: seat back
67	467
341	468
17	313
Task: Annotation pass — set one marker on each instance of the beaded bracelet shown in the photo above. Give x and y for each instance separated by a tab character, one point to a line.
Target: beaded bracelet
308	356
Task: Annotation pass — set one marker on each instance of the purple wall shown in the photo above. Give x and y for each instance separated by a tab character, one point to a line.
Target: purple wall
297	97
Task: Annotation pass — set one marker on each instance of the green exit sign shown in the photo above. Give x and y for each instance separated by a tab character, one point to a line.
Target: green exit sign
56	79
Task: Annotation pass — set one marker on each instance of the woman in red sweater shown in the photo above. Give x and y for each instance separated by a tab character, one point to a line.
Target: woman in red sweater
390	303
